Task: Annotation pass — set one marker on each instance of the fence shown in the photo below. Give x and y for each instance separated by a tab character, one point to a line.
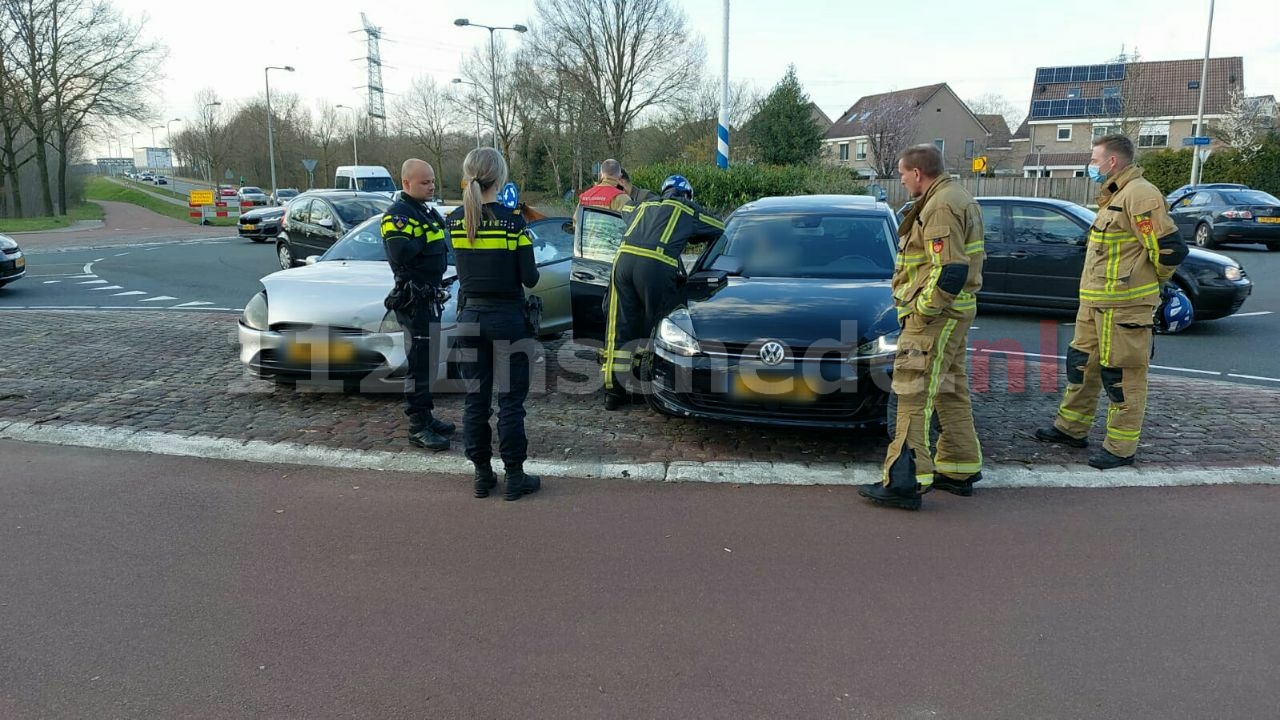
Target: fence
1081	190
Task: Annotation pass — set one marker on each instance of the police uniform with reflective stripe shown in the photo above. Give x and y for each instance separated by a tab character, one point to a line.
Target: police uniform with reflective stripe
645	282
493	270
413	236
1134	247
936	280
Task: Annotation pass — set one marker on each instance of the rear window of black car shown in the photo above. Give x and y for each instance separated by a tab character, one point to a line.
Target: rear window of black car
355	210
1248	197
810	245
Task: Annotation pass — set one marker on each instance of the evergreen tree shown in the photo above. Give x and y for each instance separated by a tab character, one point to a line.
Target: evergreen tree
784	131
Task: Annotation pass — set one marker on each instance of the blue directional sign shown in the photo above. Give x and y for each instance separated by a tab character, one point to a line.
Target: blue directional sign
1198	140
509	195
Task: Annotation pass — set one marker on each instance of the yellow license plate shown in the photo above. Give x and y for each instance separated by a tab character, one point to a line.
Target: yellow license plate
320	352
20	262
761	388
249	227
1269	220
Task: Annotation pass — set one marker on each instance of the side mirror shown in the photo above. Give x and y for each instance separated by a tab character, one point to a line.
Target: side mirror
567	227
312	260
326	223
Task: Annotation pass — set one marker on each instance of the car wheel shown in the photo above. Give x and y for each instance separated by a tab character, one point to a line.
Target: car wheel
285	255
1204	236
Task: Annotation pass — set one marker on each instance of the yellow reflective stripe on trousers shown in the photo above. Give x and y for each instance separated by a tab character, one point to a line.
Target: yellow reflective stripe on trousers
965	301
1073	416
1104	337
1130	294
611	333
957	467
935	378
647	253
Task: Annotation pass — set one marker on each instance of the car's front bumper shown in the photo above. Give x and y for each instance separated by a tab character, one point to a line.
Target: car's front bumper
1219	297
265	231
12	266
827	394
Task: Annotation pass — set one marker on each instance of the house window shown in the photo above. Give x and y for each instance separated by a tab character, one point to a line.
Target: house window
1112	91
968	148
1153	134
844	152
1073	93
1100	131
1064	132
941	145
861	150
1079	173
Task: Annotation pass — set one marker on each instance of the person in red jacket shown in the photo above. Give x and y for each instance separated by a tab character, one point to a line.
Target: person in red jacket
609	192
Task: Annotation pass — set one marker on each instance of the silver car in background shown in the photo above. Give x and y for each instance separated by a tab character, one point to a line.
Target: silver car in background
325	322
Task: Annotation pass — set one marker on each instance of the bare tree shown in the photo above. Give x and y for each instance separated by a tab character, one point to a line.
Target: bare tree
889	125
31	20
325	134
623	56
997	104
688	131
14	141
1244	125
428	116
478	69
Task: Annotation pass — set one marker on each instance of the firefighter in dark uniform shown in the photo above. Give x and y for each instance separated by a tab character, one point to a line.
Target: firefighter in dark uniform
936	279
647	272
495	262
413	234
635	192
1134	248
609	191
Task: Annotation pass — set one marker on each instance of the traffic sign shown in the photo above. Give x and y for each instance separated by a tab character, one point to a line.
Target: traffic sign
980	163
196	198
1196	140
229	175
310	165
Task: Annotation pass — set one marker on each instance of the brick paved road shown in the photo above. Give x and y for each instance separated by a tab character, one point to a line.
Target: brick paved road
179	372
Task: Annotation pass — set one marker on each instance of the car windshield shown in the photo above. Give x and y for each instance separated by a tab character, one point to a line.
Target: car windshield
375	184
1249	197
354	210
809	245
251	190
550	243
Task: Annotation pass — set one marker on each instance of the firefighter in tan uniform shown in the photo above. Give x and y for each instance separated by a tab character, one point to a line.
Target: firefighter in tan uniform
1133	250
935	285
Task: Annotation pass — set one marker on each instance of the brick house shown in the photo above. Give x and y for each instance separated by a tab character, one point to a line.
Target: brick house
890	122
1153	103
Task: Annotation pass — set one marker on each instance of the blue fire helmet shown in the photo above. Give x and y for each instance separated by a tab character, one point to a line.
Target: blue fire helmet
1175	312
677	186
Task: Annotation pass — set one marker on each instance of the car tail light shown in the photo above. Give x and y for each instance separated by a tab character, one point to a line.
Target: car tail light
1237	214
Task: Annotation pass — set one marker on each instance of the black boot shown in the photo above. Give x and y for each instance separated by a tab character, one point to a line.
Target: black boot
963	488
1054	435
520	483
486	480
902	491
613	402
434	424
1105	460
884	495
426	438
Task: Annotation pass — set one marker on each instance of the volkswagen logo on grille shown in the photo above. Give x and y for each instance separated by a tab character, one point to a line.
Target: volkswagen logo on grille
772	353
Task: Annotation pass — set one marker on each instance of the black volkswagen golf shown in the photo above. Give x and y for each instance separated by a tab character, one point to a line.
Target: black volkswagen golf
788	318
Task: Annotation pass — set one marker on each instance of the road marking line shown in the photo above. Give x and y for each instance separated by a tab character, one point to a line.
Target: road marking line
94	282
51	282
1254	377
158	298
193	304
1187	370
1252	314
121	254
108	287
88	269
99	260
77	277
130	292
992	351
1214	373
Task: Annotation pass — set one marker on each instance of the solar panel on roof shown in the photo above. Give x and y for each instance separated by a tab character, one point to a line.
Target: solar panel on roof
1115	72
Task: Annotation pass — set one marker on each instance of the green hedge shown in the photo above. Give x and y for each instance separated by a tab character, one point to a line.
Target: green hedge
724	190
1171	169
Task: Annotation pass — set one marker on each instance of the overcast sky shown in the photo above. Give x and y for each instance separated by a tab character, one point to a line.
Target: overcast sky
842	49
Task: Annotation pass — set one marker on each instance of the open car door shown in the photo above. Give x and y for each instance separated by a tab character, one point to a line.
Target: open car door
597	234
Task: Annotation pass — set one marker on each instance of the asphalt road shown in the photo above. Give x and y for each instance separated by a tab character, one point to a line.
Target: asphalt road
138	586
223	273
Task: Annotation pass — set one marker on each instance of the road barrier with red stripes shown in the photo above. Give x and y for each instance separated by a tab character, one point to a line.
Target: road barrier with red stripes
220	208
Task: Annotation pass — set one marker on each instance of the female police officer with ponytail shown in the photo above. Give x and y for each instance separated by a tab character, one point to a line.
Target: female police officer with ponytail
495	262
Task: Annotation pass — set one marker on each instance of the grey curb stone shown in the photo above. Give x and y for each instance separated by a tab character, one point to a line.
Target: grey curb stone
743	473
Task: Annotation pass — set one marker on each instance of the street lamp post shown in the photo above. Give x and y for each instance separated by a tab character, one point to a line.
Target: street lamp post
208	148
271	144
168	139
458	81
355	155
493	64
1196	166
1039	171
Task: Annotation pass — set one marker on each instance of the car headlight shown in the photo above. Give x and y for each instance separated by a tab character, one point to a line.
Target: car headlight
7	243
1233	272
883	345
675	333
255	312
390	324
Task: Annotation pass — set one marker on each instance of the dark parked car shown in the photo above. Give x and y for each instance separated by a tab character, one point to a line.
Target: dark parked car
13	265
313	221
1035	254
1185	190
787	319
1229	216
262	224
284	195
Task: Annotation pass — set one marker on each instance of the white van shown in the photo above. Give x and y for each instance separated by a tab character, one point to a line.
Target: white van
366	178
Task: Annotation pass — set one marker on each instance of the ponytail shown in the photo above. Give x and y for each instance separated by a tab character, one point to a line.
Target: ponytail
482	169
